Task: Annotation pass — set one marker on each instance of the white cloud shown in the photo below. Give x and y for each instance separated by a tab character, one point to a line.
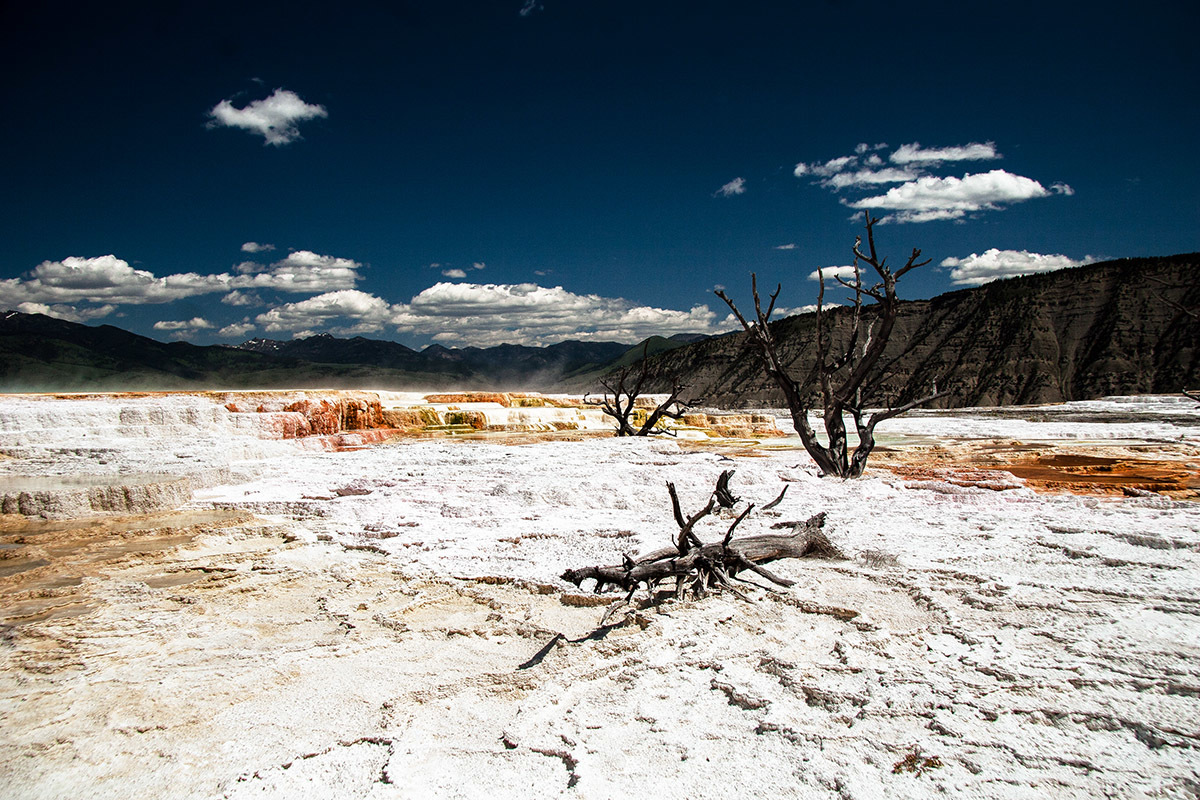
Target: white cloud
69	313
530	314
307	259
932	198
454	273
185	325
915	154
831	273
732	323
977	269
832	166
108	279
869	177
236	330
788	246
735	186
301	271
240	298
488	314
255	247
103	279
368	312
529	7
849	170
478	265
274	118
780	313
1061	188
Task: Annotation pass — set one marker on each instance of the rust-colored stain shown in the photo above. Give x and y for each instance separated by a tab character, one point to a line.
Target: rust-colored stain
44	563
1044	470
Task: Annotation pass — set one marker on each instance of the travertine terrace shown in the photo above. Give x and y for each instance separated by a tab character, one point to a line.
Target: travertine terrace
304	608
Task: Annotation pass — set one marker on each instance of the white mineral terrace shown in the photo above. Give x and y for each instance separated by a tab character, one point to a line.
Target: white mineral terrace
193	606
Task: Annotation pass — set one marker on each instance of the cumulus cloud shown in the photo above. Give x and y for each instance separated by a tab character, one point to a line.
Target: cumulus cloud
478	265
868	177
531	314
240	298
788	246
107	279
185	325
366	312
488	314
69	313
915	154
978	269
734	187
733	323
301	271
454	273
931	198
275	118
826	169
255	247
923	196
832	273
103	279
780	313
307	259
236	330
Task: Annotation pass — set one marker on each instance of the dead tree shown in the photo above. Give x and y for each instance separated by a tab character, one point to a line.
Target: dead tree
840	377
625	391
698	568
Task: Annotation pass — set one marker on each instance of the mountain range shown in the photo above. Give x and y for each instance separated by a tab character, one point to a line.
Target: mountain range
1130	326
1118	327
44	354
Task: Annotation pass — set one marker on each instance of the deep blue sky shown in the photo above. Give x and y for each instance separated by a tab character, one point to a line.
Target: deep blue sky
582	145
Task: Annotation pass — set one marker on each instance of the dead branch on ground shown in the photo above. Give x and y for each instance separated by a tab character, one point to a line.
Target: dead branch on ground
697	568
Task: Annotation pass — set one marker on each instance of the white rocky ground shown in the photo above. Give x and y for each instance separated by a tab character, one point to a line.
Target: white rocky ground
388	622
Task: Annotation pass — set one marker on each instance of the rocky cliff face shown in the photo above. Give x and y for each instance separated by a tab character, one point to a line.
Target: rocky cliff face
1109	328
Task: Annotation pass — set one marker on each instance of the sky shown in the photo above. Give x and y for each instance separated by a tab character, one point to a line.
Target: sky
532	171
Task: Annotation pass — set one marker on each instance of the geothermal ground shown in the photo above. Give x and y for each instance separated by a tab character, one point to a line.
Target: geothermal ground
357	595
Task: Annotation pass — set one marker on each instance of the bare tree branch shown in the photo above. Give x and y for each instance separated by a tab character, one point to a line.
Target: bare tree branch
624	400
840	377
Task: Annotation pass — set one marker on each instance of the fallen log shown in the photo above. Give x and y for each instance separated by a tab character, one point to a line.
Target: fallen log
700	568
746	553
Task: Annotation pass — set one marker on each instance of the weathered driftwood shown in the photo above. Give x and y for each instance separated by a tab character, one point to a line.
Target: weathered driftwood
725	498
723	559
698	567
